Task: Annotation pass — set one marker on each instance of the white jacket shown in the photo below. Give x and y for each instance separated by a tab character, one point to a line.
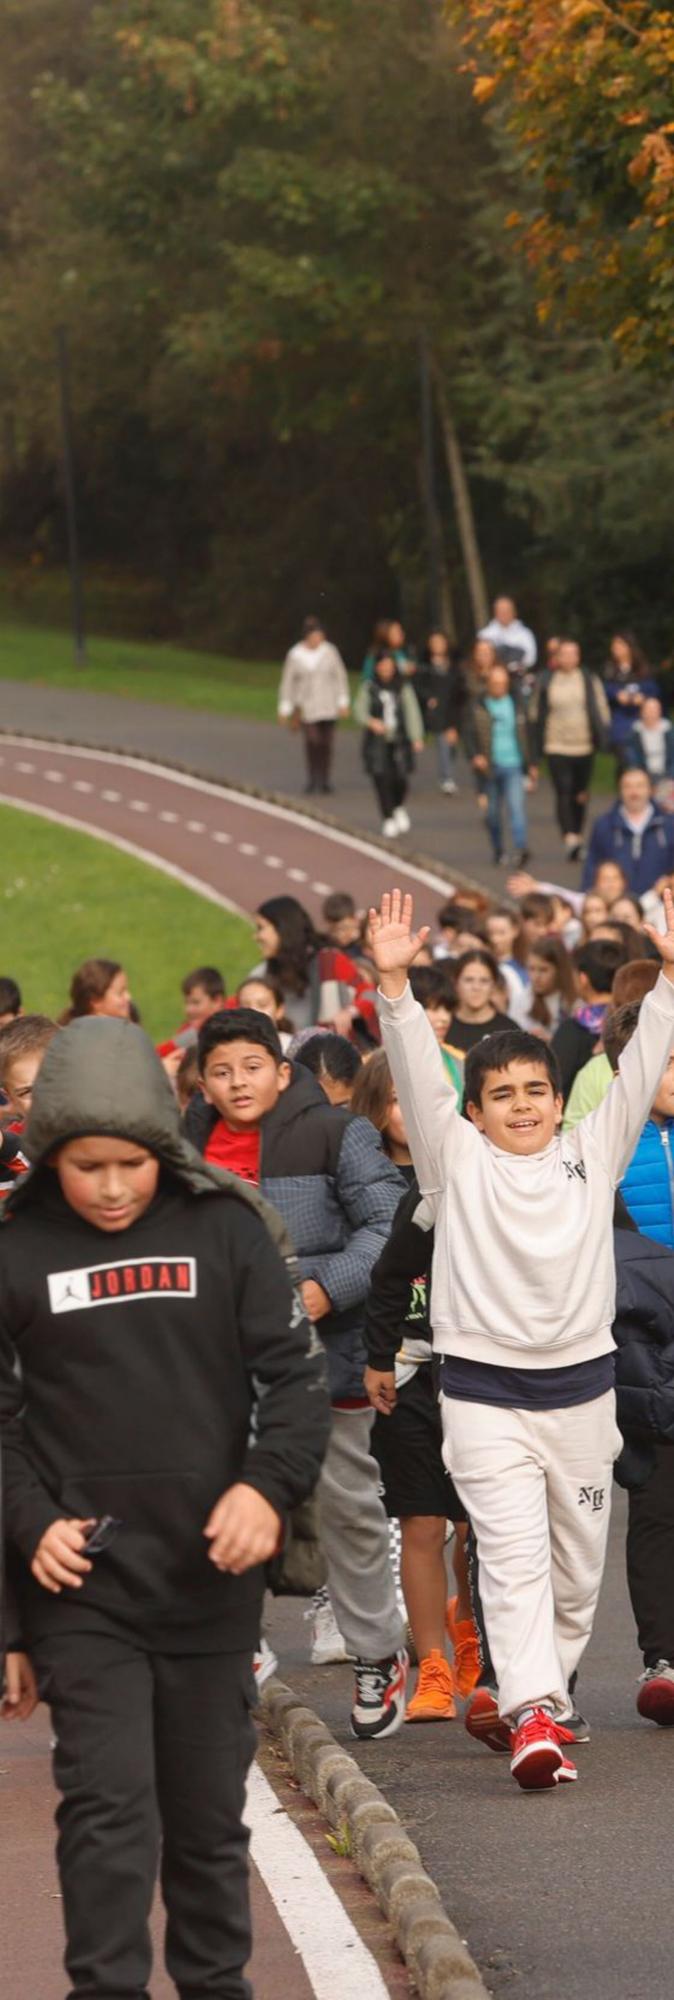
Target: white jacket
314	680
523	1267
515	634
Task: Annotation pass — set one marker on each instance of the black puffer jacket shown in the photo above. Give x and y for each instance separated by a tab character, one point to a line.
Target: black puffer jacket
328	1176
643	1330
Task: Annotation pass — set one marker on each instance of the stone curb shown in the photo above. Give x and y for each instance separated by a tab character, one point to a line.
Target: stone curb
454	877
429	1943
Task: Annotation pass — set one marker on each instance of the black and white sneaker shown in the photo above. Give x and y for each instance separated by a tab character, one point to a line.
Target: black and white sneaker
575	1726
379	1701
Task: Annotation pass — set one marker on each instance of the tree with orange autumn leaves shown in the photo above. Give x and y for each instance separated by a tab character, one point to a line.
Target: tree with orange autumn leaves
585	88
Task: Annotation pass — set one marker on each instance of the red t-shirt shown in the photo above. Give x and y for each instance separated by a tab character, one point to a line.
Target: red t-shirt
239	1152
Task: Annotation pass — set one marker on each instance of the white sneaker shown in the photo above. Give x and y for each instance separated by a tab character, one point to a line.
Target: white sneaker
327	1645
390	827
402	819
449	787
265	1664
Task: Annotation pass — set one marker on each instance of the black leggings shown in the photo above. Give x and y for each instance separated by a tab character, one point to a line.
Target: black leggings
571	784
390	784
318	749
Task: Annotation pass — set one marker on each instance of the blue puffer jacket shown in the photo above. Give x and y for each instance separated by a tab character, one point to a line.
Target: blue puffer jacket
648	1186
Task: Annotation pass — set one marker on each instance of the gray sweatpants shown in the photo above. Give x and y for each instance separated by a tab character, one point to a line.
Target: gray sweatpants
354	1532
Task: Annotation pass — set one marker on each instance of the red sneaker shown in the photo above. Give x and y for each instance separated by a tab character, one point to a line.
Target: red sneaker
483	1721
537	1759
567	1772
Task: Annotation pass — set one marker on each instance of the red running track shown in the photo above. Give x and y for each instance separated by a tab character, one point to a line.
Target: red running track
233	848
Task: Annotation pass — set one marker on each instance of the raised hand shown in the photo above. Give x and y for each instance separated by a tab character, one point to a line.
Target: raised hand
665	939
394	943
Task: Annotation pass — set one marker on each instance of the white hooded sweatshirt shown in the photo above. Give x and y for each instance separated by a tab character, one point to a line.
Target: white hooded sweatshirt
523	1267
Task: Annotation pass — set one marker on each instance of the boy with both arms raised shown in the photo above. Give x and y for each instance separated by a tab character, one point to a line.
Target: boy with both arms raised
523	1298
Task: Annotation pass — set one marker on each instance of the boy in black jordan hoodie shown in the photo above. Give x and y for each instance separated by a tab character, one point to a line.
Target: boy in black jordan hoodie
168	1411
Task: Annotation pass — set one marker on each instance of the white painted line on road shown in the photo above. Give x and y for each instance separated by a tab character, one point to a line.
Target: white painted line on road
138	805
334	1956
358	843
129	847
26	769
55	777
195	826
272	861
297	875
170	819
246	847
111	798
225	839
79	784
321	888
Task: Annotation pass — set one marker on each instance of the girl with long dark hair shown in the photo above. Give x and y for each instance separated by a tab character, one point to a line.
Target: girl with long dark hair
320	986
392	730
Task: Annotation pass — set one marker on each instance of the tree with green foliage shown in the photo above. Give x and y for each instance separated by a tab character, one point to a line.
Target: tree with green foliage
247	216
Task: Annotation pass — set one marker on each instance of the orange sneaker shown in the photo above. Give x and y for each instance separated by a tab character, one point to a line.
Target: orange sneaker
466	1647
433	1698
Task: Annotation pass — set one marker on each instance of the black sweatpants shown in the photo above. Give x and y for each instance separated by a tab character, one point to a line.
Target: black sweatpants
571	778
650	1558
151	1750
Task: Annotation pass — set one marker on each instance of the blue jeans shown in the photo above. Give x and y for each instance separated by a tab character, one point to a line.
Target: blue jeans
446	755
506	787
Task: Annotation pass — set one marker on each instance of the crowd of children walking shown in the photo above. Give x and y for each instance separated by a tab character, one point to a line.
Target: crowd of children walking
370	1258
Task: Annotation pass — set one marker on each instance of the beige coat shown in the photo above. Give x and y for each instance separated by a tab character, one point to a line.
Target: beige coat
314	681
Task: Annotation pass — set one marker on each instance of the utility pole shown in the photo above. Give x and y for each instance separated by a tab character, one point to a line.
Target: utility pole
63	363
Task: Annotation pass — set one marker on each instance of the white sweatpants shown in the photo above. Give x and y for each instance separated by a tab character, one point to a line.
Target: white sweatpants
537	1488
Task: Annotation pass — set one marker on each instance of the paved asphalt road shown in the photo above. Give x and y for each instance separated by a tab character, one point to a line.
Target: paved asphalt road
233	751
563	1896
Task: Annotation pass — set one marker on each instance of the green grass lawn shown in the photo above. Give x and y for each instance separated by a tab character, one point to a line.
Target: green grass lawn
66	897
141	670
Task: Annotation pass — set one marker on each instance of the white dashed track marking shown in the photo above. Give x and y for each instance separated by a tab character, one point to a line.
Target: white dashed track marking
143	788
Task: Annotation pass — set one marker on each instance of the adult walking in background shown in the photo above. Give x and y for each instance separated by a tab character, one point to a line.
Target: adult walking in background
650	746
498	748
569	716
314	691
392	730
515	643
441	689
636	833
629	683
388	636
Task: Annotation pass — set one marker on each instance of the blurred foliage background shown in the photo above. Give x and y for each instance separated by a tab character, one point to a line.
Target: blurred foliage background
252	220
